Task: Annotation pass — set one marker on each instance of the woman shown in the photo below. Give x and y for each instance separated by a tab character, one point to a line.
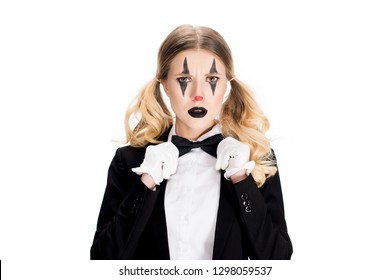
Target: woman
202	185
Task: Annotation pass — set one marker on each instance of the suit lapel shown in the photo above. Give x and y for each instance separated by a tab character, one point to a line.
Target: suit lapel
225	219
159	225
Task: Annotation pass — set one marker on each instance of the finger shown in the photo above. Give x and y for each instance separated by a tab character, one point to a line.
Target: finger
140	170
221	160
225	161
137	170
165	172
218	163
169	166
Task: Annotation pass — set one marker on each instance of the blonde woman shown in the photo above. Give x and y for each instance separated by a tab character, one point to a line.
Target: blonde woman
202	184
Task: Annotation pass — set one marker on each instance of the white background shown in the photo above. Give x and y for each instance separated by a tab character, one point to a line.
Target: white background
320	71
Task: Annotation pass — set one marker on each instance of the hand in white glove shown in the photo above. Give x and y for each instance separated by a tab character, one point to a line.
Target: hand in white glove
160	162
233	156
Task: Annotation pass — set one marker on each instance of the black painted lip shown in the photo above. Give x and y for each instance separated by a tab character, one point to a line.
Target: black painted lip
197	112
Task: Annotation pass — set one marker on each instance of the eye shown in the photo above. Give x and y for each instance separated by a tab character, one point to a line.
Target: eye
184	79
212	79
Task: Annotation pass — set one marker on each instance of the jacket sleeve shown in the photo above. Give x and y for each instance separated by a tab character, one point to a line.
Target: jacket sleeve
262	214
118	224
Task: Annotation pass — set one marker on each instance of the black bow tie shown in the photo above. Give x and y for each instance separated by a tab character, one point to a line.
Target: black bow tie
209	145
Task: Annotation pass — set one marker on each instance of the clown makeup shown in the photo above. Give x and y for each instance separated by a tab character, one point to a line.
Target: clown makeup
183	81
213	80
195	85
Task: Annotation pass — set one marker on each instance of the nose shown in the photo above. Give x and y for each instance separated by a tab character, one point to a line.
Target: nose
198	98
197	92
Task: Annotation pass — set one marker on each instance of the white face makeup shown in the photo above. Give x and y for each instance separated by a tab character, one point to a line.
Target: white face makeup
195	85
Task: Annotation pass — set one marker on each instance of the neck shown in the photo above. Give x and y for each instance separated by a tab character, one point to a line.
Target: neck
191	133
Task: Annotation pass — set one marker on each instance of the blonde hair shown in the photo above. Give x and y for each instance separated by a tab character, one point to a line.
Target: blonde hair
240	116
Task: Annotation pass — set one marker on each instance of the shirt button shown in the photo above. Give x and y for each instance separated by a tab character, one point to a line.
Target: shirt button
248	209
244	196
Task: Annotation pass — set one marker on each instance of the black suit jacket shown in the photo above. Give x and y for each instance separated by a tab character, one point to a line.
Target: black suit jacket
131	223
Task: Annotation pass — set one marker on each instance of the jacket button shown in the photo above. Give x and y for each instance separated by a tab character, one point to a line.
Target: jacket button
246	203
134	211
248	209
136	204
244	196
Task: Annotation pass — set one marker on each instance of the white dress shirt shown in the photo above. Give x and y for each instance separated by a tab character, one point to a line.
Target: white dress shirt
191	203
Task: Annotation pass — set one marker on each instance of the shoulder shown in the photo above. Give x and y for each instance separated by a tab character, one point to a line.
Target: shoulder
130	150
130	156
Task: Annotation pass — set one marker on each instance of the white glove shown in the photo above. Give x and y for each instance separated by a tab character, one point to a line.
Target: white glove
233	156
160	162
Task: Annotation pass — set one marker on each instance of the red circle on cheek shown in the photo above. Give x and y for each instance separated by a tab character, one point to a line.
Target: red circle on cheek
198	98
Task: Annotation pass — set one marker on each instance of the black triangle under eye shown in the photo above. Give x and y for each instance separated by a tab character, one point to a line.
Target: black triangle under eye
183	84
